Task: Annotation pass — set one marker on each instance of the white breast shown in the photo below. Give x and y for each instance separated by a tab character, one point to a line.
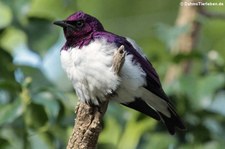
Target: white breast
90	71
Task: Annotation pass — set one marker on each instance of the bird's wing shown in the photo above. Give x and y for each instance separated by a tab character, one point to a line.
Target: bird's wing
152	78
154	102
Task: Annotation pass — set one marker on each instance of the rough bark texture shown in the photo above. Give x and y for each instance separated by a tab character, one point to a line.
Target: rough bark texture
89	117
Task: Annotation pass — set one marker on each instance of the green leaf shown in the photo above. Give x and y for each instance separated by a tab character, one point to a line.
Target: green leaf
160	141
52	9
168	34
12	38
187	56
40	140
10	85
134	129
207	86
19	10
35	116
50	104
12	135
5	15
46	37
39	81
218	103
111	128
4	143
189	87
8	113
215	127
6	65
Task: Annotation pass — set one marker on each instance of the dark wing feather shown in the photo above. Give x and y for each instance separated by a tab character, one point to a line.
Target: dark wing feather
152	78
139	105
154	86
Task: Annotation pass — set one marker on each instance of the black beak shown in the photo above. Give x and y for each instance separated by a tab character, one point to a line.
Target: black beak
64	24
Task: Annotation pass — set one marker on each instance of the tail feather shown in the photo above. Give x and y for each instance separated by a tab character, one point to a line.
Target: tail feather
164	109
172	122
140	105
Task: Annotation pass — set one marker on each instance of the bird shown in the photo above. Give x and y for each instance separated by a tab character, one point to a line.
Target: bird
87	56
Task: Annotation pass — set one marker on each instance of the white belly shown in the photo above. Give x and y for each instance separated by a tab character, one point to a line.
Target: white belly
90	71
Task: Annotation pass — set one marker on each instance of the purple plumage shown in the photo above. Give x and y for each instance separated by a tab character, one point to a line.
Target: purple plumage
87	59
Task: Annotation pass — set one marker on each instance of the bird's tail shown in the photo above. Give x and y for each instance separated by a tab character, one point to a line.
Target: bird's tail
165	111
172	122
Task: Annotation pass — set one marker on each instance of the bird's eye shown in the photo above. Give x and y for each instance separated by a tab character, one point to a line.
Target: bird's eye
79	24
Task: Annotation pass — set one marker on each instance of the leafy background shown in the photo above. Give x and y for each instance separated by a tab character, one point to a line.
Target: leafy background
37	101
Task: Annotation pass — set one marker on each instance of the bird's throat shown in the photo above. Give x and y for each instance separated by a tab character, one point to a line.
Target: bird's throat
78	41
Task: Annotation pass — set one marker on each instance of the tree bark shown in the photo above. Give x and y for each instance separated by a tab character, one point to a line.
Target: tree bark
88	123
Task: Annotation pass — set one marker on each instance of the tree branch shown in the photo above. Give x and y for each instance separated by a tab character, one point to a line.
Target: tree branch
187	41
89	117
212	15
188	16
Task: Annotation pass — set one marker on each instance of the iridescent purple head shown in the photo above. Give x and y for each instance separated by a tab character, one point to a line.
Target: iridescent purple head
79	25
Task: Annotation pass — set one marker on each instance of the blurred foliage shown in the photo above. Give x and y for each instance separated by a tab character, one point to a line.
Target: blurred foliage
37	101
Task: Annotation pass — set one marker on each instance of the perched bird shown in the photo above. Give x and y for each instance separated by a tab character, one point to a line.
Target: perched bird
87	59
